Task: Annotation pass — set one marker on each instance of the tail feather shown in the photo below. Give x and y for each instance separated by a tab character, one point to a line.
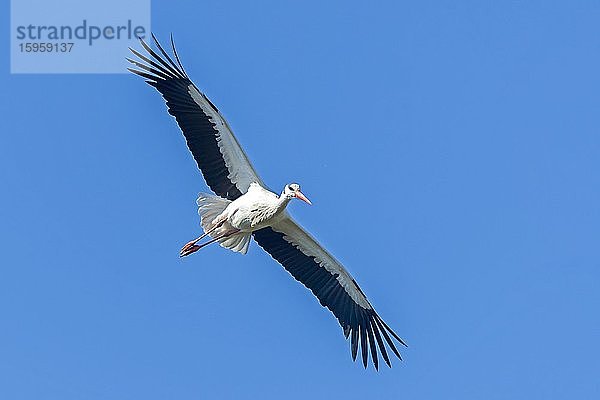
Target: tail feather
238	243
209	208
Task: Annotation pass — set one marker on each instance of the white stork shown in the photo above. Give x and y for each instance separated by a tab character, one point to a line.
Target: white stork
244	207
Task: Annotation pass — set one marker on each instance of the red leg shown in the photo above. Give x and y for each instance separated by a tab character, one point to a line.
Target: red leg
186	251
189	245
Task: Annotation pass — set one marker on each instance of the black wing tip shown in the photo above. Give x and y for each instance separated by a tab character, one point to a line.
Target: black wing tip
354	344
363	346
368	338
398	338
177	56
160	65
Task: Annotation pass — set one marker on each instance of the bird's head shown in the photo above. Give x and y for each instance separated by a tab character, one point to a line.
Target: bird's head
292	190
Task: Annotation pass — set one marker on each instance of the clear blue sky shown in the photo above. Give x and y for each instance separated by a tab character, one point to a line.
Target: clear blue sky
451	151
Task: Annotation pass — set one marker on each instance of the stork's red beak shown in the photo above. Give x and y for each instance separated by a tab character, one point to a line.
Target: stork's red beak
302	197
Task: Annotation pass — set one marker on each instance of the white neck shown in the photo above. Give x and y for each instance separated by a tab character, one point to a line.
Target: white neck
283	201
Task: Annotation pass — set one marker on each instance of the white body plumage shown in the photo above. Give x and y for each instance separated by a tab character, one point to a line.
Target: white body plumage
256	209
232	222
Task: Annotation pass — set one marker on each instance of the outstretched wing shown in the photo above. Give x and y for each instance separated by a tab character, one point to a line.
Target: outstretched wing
335	288
225	166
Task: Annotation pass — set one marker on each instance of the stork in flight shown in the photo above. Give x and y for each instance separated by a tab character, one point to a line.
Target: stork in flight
243	207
